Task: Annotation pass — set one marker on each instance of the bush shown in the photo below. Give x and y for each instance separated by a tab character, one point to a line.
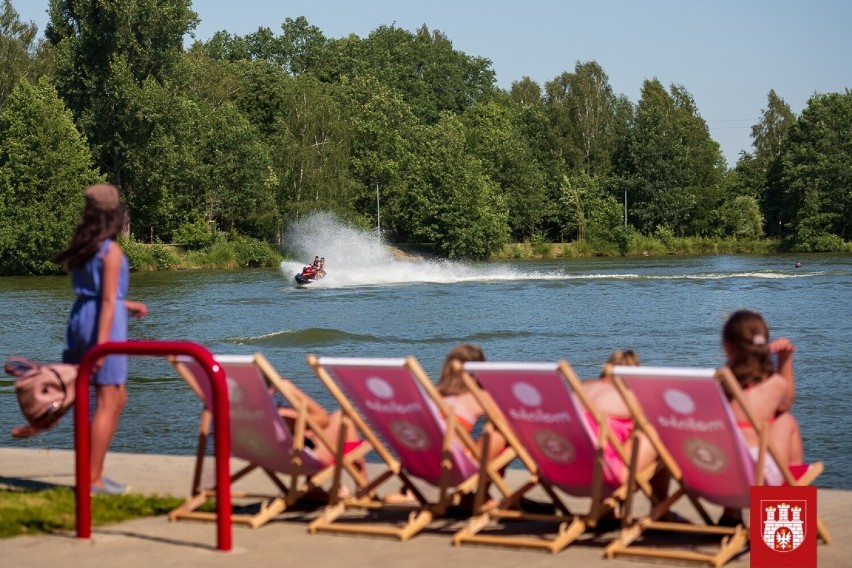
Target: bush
820	242
196	234
622	236
239	252
664	234
142	257
252	253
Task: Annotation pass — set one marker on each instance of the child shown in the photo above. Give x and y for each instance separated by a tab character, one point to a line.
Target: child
100	278
769	390
456	395
606	398
329	423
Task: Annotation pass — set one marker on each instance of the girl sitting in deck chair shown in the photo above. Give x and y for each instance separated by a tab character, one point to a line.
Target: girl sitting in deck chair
769	391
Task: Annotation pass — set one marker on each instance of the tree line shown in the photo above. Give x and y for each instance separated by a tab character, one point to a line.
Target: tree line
239	135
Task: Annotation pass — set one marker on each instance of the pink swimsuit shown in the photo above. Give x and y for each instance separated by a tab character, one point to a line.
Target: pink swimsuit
621	428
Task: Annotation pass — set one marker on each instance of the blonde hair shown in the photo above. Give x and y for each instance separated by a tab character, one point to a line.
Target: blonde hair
451	382
620	357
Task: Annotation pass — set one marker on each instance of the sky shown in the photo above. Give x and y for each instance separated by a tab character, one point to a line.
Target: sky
728	54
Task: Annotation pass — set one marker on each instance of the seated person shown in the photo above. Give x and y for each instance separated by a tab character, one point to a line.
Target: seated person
457	396
606	398
769	391
321	267
330	423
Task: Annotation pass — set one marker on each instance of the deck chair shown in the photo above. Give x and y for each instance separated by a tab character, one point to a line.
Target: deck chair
416	436
685	414
260	437
559	436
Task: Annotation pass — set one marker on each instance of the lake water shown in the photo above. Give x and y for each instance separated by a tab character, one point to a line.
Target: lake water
670	310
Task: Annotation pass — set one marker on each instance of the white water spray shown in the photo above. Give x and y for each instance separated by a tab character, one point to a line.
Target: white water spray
355	257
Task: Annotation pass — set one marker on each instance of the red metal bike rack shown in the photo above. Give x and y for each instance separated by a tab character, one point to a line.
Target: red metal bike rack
221	422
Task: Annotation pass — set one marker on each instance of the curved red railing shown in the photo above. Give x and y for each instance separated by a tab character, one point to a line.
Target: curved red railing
221	422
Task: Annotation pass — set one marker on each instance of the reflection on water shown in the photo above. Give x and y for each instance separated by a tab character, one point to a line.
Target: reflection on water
670	310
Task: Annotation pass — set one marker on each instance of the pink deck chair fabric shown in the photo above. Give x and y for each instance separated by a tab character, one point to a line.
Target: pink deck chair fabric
693	418
539	405
258	433
391	400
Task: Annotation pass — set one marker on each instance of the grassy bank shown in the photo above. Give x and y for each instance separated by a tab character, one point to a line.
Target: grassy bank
28	512
241	252
238	252
637	246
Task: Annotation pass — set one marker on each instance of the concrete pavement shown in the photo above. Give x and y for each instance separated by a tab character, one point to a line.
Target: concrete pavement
285	541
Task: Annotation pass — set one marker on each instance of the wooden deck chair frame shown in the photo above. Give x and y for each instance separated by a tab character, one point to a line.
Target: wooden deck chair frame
423	510
294	482
569	526
733	540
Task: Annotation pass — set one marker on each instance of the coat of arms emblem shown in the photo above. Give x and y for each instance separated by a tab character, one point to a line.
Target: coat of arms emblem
783	524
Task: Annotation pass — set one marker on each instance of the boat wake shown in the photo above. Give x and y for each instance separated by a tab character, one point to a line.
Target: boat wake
356	257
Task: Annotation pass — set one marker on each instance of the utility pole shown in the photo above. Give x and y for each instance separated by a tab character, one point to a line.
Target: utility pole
378	214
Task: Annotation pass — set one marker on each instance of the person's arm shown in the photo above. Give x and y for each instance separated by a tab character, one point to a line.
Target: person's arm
136	308
315	410
109	293
784	349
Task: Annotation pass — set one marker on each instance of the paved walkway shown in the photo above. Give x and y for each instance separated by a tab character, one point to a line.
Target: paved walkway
285	541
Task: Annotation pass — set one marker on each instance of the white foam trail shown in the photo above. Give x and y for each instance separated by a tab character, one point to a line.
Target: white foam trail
355	257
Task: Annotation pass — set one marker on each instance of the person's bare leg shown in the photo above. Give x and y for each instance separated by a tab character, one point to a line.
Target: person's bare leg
646	455
786	438
110	400
332	432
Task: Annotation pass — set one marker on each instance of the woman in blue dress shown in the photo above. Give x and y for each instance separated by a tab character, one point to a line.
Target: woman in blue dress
100	277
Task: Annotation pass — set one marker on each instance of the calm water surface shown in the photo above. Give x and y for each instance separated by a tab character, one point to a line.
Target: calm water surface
668	309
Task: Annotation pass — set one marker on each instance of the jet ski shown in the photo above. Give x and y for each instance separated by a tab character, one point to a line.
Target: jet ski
309	274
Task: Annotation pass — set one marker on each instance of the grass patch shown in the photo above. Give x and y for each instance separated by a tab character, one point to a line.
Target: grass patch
24	512
637	245
226	254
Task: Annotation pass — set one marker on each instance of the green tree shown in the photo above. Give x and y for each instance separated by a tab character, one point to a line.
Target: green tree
298	49
496	139
237	184
382	127
310	144
44	166
768	139
741	217
423	66
586	211
817	172
158	153
535	128
673	169
582	108
303	45
526	93
106	53
451	203
593	105
21	55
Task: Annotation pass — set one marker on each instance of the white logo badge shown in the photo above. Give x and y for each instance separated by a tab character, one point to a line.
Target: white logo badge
526	394
235	392
380	387
679	401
